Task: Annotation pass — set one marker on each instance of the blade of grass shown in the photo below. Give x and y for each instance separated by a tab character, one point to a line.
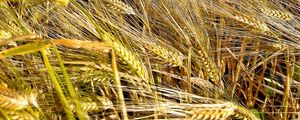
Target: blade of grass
25	49
70	87
57	87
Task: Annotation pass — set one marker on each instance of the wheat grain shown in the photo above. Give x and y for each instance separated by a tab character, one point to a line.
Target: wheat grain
119	6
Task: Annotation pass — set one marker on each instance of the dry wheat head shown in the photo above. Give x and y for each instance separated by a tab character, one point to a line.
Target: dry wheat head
277	13
10	99
119	6
210	68
173	57
19	115
135	64
210	111
255	23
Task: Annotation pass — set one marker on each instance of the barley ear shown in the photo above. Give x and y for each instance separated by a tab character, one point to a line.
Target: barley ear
277	14
119	6
135	64
255	23
173	57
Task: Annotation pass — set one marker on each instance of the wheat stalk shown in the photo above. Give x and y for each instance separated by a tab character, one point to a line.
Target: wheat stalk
119	6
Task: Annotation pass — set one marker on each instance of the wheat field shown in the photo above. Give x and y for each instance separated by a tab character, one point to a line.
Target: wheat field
149	59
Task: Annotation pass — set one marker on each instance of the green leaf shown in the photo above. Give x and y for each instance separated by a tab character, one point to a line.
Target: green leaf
258	114
25	49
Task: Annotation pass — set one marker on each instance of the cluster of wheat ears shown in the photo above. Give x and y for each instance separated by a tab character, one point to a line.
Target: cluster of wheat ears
149	59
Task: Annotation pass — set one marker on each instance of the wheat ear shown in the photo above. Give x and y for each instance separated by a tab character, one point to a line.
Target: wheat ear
257	24
277	14
210	68
10	99
19	115
210	112
242	113
5	34
119	6
94	75
173	57
89	105
62	2
135	64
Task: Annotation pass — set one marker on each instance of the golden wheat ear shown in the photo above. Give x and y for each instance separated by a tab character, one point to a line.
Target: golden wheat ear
95	75
10	99
5	34
62	2
251	21
277	13
210	68
173	57
210	112
242	113
19	115
131	59
119	7
89	105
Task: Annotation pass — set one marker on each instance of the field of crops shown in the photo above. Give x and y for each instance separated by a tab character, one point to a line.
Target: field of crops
149	59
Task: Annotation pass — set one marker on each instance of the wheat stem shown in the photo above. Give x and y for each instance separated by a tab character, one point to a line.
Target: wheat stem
70	87
57	86
118	85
